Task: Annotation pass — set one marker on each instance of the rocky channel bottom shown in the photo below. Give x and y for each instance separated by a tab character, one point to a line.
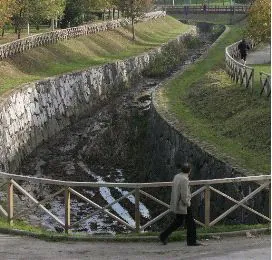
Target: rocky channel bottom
112	145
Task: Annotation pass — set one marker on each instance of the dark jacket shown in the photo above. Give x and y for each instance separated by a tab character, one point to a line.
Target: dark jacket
243	47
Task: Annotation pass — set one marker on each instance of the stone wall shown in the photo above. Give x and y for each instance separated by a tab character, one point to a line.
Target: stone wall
170	143
10	49
37	111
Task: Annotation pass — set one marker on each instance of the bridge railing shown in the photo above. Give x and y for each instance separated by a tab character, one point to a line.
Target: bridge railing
68	188
242	9
236	70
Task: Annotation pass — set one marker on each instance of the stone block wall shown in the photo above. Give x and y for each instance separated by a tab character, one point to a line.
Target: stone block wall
170	144
37	111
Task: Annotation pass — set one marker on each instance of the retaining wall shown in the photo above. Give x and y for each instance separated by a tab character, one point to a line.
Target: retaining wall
37	111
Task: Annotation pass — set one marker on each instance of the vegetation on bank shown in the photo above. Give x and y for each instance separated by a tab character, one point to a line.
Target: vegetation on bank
83	52
229	120
22	228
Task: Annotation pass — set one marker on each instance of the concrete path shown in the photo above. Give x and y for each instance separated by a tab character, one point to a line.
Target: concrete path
262	56
234	248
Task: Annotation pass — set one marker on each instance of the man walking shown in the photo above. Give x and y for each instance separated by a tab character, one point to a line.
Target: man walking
243	47
181	205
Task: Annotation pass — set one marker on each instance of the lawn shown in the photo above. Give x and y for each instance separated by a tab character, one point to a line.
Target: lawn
83	52
229	119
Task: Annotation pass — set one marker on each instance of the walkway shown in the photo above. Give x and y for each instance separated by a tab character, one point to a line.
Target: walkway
262	56
235	248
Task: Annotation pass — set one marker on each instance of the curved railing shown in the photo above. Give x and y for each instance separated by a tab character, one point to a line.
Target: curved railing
21	45
238	71
68	188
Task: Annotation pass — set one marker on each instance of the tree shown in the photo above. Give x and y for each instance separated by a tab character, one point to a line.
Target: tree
259	21
133	9
6	10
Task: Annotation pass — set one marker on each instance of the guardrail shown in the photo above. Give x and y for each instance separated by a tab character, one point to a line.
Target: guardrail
21	45
68	188
241	9
238	71
265	81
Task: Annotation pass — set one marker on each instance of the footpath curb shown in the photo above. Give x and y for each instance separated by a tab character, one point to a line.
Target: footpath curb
112	238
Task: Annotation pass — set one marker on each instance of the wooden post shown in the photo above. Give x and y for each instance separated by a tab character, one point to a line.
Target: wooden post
269	194
10	203
137	210
207	205
67	210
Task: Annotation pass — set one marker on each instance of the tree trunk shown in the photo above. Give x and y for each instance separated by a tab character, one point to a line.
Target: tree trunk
19	33
133	30
52	24
28	28
113	13
3	31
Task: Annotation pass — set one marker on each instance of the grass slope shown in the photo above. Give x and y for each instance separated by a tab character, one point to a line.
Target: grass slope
82	52
233	122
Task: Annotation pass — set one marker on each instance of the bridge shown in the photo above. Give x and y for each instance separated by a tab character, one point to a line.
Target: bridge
210	9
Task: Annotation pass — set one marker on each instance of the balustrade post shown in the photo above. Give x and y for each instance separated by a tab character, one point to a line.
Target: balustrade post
10	203
67	210
207	205
137	210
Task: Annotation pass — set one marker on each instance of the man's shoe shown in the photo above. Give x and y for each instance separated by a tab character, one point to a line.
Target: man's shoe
164	241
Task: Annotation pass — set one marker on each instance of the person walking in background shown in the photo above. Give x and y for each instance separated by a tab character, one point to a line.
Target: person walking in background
181	205
205	9
243	47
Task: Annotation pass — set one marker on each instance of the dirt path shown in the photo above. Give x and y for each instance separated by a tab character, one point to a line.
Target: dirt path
239	248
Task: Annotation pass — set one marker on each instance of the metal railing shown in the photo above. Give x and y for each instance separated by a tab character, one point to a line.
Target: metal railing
68	188
241	9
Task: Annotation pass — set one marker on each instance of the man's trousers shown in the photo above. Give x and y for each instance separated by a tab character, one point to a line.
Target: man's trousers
178	222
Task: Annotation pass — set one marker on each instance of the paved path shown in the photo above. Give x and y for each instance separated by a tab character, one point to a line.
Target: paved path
262	56
235	248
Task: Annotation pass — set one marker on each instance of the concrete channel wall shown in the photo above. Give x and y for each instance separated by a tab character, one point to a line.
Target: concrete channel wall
37	111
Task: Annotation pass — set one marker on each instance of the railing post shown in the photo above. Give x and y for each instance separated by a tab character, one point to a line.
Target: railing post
10	203
207	205
269	207
67	210
137	210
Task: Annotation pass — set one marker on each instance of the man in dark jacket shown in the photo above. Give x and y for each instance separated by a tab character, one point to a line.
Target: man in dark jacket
243	47
181	205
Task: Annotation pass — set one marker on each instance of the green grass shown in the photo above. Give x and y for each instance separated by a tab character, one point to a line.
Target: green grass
10	35
257	69
83	52
26	229
226	119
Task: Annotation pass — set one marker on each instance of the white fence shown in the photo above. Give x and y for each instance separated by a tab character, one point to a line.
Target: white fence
238	71
68	188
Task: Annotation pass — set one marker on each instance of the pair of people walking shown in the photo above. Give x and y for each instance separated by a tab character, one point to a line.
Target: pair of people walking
180	205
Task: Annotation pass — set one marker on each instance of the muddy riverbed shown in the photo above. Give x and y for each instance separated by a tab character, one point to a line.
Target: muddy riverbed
111	145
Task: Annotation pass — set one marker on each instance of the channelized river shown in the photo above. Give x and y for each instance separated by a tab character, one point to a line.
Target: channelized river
110	145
